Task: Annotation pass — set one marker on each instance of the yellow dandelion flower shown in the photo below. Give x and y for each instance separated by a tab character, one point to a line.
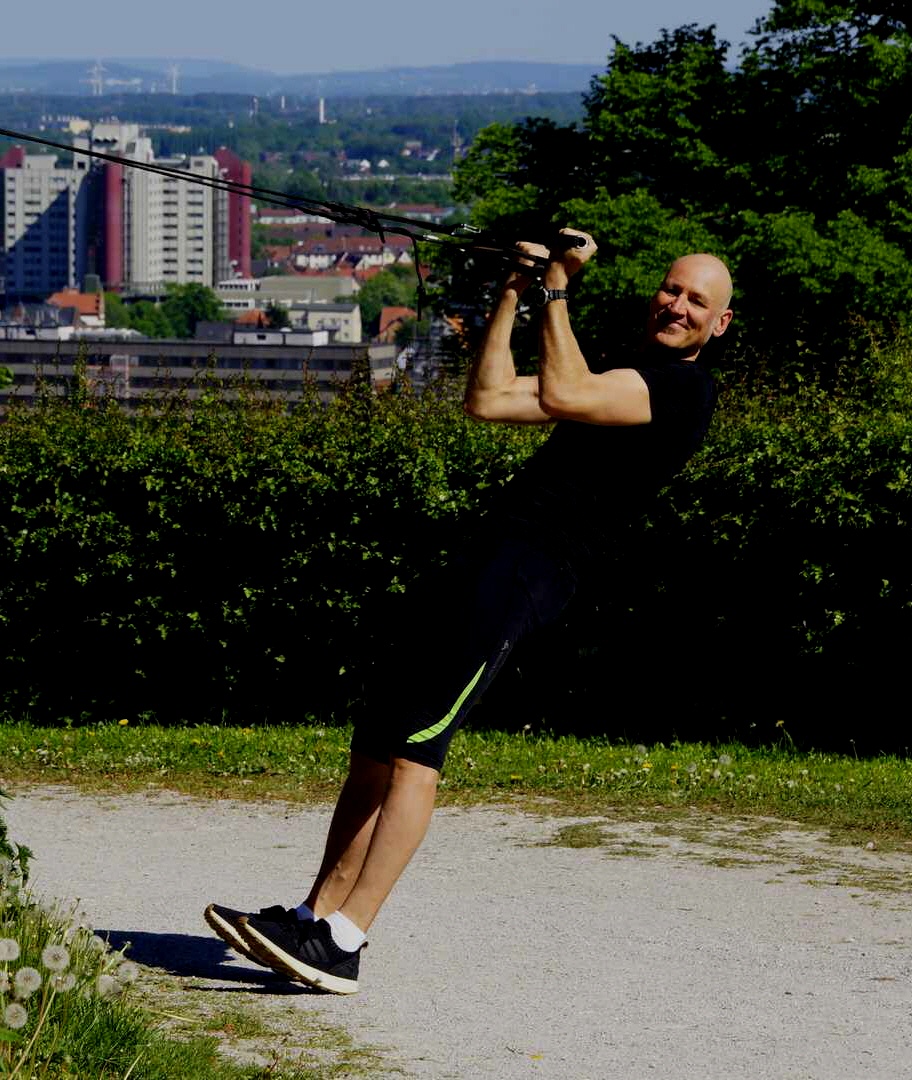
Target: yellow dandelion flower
123	723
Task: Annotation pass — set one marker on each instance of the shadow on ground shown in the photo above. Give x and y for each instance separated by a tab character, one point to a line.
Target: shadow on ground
199	957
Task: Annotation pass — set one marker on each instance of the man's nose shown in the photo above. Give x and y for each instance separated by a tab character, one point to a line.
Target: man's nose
678	305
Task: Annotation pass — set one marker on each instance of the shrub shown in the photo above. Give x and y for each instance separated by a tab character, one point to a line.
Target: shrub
205	560
222	561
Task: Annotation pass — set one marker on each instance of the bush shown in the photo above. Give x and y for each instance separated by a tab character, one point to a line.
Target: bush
230	561
217	559
771	589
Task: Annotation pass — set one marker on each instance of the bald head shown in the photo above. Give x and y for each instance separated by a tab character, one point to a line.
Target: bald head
691	305
711	272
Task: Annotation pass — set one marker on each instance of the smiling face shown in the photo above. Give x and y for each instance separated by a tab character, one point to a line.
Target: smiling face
691	305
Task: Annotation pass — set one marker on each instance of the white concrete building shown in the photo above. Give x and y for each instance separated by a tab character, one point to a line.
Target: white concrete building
44	225
173	231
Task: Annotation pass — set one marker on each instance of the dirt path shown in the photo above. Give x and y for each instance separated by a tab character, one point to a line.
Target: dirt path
698	951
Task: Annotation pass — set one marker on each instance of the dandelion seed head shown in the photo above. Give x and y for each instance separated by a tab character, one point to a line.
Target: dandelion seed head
15	1016
96	944
127	973
106	985
4	982
50	906
63	981
55	958
26	981
692	768
640	750
9	949
725	759
716	774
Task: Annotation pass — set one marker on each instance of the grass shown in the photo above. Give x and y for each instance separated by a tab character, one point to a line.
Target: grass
67	1008
305	763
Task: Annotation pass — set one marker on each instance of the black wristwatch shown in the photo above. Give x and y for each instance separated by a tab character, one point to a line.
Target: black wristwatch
536	295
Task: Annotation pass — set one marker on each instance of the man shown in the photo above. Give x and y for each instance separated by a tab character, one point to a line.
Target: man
620	435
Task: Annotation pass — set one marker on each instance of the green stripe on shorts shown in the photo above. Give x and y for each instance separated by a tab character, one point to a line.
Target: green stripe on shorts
442	725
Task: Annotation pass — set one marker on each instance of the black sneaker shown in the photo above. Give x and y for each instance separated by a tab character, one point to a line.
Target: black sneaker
224	921
304	951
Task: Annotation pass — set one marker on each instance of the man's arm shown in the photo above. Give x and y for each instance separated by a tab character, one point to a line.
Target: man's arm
568	390
494	391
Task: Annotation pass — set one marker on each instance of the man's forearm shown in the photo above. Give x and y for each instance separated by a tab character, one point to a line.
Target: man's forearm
494	391
564	376
493	366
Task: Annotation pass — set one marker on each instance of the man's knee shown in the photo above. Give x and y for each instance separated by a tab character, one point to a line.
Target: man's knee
414	773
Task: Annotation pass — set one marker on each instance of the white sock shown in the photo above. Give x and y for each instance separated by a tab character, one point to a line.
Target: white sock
303	912
344	932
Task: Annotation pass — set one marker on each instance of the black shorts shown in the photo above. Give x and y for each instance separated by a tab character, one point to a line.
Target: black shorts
451	642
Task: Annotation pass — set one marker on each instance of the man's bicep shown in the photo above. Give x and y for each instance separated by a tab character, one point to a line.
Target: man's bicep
618	397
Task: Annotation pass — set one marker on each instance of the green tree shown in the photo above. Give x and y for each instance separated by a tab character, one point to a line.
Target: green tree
117	313
186	305
393	287
769	164
276	316
150	319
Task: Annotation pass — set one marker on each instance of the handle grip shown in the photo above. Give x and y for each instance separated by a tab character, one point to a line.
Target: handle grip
564	241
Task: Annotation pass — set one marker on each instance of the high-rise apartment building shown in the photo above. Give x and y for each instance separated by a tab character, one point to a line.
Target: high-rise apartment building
44	224
136	230
171	231
238	172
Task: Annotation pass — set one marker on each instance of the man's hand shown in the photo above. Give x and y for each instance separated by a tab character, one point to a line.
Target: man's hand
563	261
518	280
566	261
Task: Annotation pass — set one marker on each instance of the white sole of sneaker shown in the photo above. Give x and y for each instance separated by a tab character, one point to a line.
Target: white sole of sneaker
293	968
227	932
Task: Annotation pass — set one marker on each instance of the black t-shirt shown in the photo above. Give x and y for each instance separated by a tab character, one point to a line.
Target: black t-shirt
587	479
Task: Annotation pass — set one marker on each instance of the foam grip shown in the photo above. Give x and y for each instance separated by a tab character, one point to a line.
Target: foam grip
563	241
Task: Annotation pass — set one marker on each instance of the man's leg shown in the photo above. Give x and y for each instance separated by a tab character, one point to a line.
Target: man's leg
350	832
376	829
401	824
325	952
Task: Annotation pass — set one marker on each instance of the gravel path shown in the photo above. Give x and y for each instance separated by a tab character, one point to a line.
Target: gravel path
702	950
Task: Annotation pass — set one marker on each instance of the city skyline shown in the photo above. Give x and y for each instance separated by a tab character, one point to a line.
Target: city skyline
366	36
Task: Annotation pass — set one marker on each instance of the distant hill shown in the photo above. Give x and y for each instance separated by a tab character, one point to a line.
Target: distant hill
81	77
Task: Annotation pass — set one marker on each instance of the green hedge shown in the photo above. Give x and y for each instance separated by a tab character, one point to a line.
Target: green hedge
231	561
770	594
212	559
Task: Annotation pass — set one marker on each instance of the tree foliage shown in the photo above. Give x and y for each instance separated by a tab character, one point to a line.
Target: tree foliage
395	286
175	317
794	164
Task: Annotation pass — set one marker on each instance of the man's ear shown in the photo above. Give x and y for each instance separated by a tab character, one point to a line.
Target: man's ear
722	324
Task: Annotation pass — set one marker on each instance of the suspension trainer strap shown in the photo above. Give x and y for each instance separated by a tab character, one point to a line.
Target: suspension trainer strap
464	238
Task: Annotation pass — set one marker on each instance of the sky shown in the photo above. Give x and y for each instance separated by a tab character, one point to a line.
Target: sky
303	37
